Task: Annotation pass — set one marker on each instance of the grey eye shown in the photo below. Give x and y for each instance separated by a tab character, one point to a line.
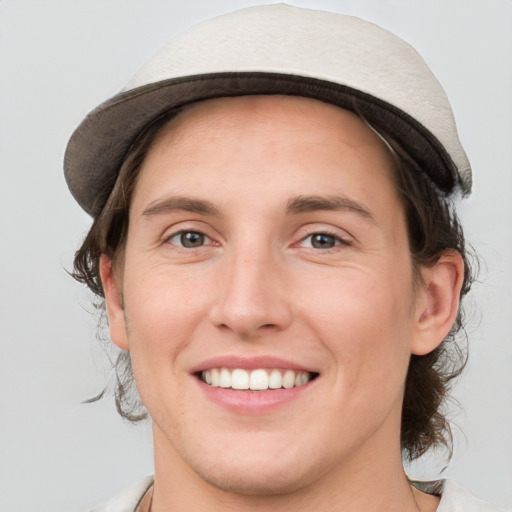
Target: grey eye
323	241
191	239
188	239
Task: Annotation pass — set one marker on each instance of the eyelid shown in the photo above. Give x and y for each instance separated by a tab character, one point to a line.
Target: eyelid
338	241
342	236
186	227
207	239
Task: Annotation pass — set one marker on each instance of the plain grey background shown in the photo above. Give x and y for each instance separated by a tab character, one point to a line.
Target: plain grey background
59	59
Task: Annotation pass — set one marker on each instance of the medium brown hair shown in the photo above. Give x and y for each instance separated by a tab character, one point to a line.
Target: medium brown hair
433	228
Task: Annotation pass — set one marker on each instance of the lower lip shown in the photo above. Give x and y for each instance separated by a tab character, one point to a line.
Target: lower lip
252	402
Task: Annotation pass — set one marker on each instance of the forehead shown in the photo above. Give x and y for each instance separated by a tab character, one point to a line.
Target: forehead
284	143
274	112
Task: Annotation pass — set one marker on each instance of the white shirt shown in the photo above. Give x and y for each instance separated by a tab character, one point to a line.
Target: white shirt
453	498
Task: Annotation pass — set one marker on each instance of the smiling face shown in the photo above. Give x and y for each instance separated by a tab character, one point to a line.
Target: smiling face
268	299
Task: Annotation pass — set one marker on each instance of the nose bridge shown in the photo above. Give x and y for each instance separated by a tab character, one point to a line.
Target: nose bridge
251	293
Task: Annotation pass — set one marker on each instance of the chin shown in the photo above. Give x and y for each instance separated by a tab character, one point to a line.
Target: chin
269	467
248	481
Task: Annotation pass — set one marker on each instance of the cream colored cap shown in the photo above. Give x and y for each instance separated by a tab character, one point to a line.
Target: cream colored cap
277	49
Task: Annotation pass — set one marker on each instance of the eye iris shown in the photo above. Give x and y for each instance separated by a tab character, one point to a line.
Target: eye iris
322	241
191	239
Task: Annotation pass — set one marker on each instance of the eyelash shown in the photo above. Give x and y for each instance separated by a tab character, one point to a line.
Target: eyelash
206	240
183	232
336	238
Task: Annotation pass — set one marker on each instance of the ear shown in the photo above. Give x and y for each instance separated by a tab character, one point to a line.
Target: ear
114	303
438	302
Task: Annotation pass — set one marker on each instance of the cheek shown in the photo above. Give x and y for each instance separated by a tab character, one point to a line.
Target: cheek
161	315
366	322
159	322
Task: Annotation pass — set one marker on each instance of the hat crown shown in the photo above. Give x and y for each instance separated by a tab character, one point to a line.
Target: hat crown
277	49
318	44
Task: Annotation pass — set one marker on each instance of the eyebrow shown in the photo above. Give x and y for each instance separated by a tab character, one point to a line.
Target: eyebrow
304	204
296	205
180	203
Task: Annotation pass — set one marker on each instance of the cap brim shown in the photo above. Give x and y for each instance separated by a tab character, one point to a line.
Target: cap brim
108	132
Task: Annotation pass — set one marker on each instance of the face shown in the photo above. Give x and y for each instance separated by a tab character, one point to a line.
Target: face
267	294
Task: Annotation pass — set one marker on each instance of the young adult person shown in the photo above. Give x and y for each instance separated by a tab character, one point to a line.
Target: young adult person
275	240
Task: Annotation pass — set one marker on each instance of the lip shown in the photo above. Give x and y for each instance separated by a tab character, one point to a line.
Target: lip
250	363
251	403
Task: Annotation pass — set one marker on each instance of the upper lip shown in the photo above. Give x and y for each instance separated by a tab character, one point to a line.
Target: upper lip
252	362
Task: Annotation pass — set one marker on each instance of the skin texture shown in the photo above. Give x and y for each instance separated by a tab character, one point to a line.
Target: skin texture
258	287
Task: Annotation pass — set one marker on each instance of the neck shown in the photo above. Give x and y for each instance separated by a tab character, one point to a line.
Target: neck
374	481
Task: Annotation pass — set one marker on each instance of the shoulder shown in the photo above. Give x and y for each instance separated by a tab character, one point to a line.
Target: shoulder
456	499
128	500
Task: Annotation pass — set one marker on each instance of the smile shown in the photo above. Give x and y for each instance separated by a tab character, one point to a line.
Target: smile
255	380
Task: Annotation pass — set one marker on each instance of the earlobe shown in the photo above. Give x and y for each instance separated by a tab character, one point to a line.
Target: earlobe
114	304
438	305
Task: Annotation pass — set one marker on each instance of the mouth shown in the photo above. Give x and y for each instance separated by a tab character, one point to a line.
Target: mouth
260	379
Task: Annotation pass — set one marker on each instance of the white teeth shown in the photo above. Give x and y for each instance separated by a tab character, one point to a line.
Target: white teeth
289	379
275	380
215	377
239	379
225	378
259	380
255	380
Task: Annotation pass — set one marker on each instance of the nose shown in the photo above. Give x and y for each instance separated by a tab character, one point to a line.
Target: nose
252	298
